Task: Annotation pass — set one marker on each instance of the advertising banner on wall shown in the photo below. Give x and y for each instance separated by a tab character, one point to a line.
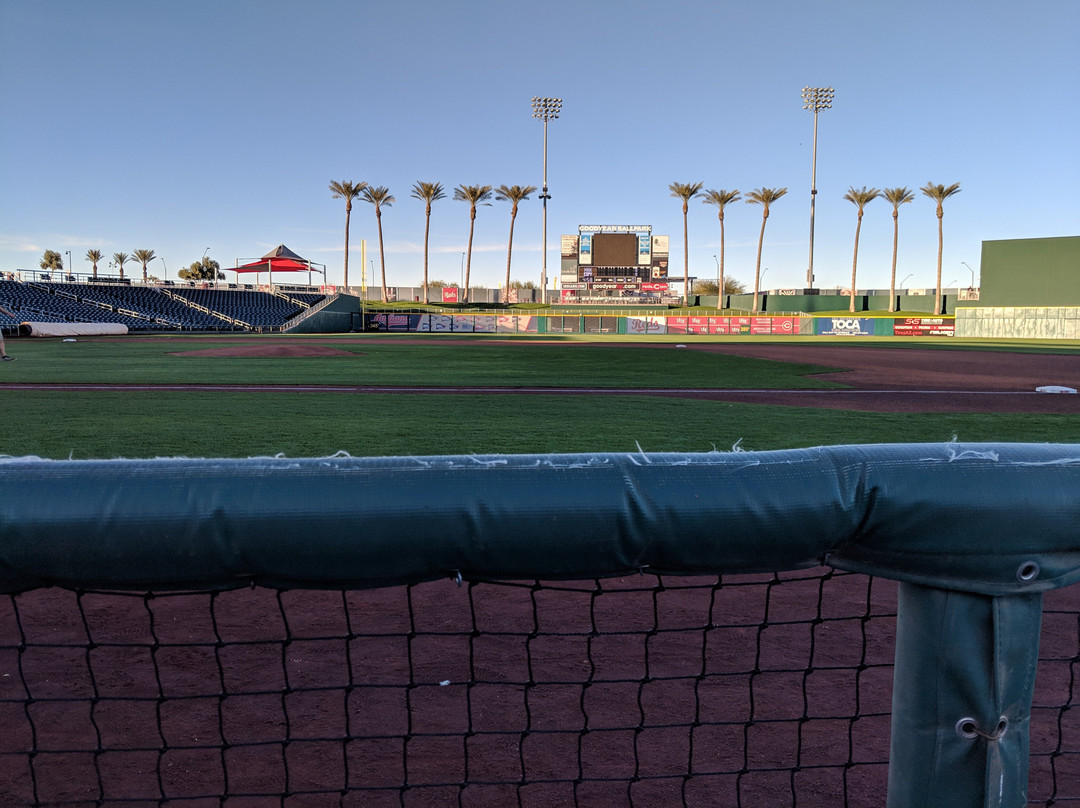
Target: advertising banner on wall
449	294
646	325
585	256
845	326
436	322
568	247
644	249
396	322
924	327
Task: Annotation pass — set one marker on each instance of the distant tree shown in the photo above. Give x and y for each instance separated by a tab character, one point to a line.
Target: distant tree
731	287
764	197
512	194
348	191
939	193
685	191
897	197
120	259
144	257
93	256
439	284
206	269
721	199
523	285
860	198
427	192
51	260
474	195
379	197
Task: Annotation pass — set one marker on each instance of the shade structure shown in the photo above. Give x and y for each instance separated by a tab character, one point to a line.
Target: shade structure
280	259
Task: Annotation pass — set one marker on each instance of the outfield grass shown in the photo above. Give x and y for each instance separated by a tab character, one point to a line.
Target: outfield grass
205	424
371	362
85	424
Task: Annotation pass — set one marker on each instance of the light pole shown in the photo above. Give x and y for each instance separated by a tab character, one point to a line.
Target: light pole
814	99
719	291
545	109
905	279
70	269
972	271
461	275
165	277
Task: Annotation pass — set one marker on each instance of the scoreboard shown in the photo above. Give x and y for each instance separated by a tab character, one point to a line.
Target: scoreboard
614	261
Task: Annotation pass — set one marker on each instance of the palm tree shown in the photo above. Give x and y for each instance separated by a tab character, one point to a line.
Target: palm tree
939	193
428	192
685	191
348	191
93	256
120	259
144	257
896	196
512	194
764	197
860	199
379	197
474	195
720	199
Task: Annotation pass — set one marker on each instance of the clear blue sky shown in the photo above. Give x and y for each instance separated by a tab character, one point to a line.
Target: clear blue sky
182	126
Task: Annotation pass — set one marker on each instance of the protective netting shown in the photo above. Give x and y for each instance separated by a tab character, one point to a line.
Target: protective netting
749	690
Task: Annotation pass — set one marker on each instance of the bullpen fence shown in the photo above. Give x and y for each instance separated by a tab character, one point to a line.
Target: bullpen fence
793	627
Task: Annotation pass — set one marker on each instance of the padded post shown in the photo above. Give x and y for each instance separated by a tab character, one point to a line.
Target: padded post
962	690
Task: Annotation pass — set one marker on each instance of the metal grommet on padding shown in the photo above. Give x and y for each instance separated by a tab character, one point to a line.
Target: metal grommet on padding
967	728
1027	572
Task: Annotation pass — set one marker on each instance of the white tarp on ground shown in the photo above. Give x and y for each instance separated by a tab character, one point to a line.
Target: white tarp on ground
72	329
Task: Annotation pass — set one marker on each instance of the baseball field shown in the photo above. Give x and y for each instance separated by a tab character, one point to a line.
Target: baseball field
374	395
644	689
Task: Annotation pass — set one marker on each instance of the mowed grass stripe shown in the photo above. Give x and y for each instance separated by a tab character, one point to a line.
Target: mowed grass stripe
209	424
360	362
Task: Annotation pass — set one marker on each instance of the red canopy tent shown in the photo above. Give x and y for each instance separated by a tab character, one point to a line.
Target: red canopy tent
280	259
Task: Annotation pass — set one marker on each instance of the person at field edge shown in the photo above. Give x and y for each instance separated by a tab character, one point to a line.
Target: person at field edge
3	354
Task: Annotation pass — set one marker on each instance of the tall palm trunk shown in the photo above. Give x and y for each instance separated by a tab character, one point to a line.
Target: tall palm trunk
940	250
382	253
720	290
348	215
895	245
686	256
855	263
427	231
509	252
468	255
757	268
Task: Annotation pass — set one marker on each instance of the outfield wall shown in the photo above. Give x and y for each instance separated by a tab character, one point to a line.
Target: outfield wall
1016	322
630	325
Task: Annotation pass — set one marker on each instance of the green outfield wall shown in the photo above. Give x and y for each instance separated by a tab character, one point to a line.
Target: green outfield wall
1031	272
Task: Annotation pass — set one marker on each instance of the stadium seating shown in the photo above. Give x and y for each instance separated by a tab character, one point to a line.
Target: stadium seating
146	308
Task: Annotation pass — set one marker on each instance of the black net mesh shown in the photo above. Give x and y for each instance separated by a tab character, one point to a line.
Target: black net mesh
643	691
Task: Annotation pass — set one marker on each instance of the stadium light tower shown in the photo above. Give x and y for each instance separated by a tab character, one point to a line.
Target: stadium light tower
545	109
815	99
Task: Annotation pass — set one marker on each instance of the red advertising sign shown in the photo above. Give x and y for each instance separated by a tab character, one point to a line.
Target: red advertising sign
785	325
449	294
654	287
676	325
924	327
